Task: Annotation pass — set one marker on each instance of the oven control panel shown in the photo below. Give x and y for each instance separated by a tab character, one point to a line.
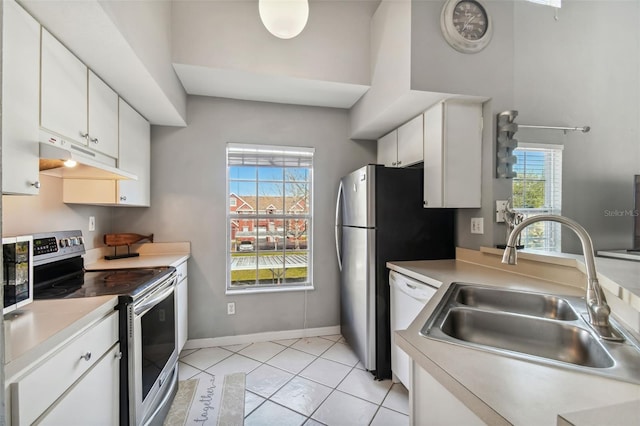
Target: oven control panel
44	246
50	246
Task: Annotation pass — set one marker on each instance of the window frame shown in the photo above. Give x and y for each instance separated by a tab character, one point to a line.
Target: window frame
549	228
257	215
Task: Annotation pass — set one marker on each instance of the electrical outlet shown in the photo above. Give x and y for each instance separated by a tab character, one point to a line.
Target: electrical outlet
92	223
501	207
477	225
231	308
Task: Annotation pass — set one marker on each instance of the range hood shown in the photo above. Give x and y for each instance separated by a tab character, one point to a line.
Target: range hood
54	151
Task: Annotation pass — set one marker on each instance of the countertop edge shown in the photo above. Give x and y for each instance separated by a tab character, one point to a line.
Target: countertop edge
64	333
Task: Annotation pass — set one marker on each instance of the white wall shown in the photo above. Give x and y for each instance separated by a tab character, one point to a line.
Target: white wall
188	202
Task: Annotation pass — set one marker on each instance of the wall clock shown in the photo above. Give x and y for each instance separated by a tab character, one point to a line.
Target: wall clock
466	25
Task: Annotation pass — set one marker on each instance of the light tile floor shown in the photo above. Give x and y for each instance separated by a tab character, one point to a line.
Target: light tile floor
310	381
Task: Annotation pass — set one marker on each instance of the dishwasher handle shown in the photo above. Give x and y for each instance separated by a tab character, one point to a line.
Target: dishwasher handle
413	288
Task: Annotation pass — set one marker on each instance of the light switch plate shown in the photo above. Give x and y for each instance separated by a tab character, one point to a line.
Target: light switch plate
477	225
501	206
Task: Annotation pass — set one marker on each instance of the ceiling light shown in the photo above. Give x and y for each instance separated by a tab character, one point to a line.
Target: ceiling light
70	163
284	18
554	3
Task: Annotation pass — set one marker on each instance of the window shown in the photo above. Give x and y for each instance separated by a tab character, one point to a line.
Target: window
538	190
269	230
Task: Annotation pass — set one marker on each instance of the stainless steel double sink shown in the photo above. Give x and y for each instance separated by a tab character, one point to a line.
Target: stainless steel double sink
535	327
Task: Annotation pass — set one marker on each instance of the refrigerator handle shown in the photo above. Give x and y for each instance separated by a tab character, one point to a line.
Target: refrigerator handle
338	226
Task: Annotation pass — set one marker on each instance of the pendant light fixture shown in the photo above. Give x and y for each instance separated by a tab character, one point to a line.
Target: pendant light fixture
284	18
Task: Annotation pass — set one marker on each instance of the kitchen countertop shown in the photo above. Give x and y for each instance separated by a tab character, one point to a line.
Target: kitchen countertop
500	389
151	255
45	325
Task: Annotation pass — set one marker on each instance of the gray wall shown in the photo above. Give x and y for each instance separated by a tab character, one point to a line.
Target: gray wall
436	67
582	70
229	35
188	199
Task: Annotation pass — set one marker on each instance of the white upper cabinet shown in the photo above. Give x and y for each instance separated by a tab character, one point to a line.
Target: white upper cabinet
135	157
410	142
388	149
63	103
75	103
103	117
134	140
402	147
452	155
20	101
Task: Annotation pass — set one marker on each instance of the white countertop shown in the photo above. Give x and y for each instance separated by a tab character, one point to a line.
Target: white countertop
151	255
500	389
41	326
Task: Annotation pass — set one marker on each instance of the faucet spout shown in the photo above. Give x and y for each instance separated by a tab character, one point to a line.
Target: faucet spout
596	301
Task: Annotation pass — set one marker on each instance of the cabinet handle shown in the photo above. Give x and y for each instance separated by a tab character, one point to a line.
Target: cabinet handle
399	162
393	164
86	356
123	198
94	140
35	184
118	355
84	135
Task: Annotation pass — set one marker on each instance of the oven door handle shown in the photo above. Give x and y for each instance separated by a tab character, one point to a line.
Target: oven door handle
150	303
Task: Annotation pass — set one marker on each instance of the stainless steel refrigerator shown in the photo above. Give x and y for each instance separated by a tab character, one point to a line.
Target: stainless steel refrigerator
380	218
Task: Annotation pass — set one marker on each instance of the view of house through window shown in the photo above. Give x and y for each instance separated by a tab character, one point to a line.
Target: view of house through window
538	190
269	216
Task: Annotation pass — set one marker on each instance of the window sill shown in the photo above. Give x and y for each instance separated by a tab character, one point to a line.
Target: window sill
252	290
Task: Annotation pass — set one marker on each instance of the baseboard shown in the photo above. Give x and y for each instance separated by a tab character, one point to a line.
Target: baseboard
261	337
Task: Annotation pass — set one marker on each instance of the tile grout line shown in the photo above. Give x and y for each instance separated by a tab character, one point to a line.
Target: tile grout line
294	375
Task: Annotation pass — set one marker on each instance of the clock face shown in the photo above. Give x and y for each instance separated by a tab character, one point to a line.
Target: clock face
470	19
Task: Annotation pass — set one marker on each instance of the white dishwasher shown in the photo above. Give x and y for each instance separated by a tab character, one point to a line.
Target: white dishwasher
408	297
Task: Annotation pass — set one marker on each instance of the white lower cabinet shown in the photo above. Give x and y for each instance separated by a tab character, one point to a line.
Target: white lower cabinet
182	292
77	383
80	406
432	404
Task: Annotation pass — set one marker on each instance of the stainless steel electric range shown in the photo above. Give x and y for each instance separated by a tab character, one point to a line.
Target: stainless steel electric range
146	305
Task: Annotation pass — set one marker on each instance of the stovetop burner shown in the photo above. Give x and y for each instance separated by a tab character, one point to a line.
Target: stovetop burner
128	282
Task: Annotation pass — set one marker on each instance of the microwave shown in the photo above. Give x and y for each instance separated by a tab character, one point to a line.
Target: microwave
17	272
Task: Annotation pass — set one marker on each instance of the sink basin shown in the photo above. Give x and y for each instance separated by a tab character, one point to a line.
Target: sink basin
520	302
549	339
534	327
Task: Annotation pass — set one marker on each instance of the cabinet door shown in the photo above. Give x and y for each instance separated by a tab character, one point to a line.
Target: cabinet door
462	154
92	400
103	117
433	156
20	101
388	149
443	408
63	104
134	157
411	142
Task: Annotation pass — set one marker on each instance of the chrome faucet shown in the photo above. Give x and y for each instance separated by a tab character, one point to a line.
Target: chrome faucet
597	306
